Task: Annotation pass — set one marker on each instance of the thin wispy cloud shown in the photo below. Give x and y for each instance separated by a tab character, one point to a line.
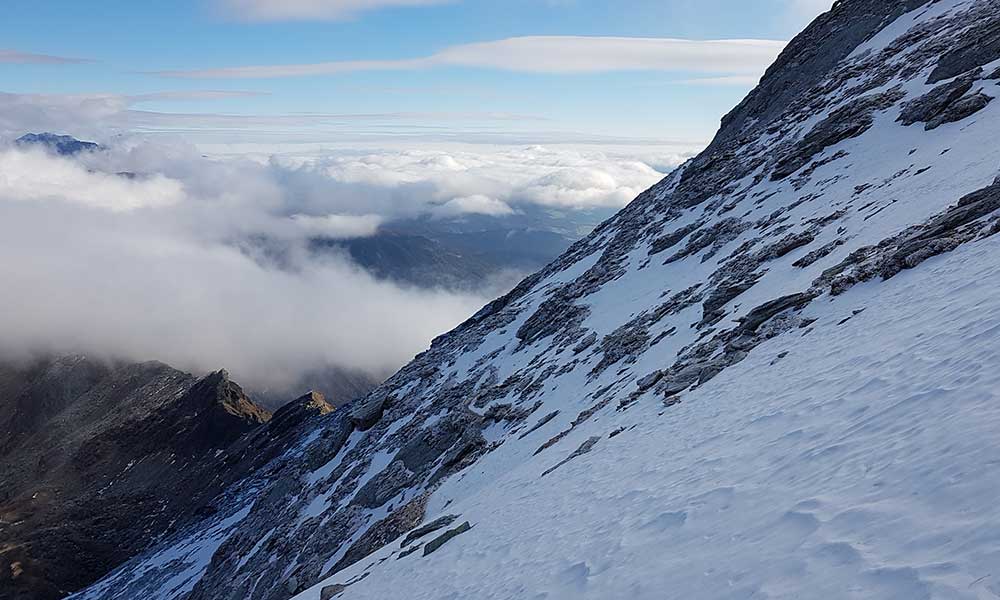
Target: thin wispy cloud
310	10
544	54
194	95
100	116
8	56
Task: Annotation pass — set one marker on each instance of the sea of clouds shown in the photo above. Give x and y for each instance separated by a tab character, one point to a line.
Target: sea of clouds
144	250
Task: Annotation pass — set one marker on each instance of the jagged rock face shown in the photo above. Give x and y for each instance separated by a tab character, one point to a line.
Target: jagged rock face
609	361
99	459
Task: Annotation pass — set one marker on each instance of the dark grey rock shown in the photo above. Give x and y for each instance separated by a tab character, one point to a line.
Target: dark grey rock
649	381
846	122
960	109
330	591
818	254
428	528
930	105
442	539
383	532
711	238
761	314
541	422
977	45
671	239
584	448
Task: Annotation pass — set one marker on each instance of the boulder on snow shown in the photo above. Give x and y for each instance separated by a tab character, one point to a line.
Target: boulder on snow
330	591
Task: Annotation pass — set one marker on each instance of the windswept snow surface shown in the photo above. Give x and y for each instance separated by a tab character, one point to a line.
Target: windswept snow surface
773	375
862	465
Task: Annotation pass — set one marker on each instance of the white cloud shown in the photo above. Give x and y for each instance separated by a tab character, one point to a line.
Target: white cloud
31	176
27	58
474	205
303	10
132	276
495	180
591	186
546	54
339	227
442	179
167	265
187	95
85	114
572	54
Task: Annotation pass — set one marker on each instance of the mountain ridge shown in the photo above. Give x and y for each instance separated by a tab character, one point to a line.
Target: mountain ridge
630	397
99	458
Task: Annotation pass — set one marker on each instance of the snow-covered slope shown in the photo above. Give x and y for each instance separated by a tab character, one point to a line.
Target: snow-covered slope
771	375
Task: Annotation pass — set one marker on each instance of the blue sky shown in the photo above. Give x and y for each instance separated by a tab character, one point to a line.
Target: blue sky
133	43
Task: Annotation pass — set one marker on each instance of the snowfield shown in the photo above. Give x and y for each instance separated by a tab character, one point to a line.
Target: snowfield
772	375
863	464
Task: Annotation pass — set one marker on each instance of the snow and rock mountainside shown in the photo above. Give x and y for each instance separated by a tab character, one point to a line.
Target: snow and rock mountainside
772	375
98	460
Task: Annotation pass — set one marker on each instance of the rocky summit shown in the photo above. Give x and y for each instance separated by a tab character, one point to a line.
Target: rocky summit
772	375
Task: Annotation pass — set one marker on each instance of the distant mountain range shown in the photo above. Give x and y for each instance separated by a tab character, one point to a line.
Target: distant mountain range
471	260
470	252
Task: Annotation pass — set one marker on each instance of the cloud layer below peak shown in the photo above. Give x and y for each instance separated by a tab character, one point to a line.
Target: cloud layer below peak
148	249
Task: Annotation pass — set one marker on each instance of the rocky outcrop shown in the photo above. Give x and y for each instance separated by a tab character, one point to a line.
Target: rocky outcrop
947	103
966	221
961	109
844	123
442	539
974	47
925	108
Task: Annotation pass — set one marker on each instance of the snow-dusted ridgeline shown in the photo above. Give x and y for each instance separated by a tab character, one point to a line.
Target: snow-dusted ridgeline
771	375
